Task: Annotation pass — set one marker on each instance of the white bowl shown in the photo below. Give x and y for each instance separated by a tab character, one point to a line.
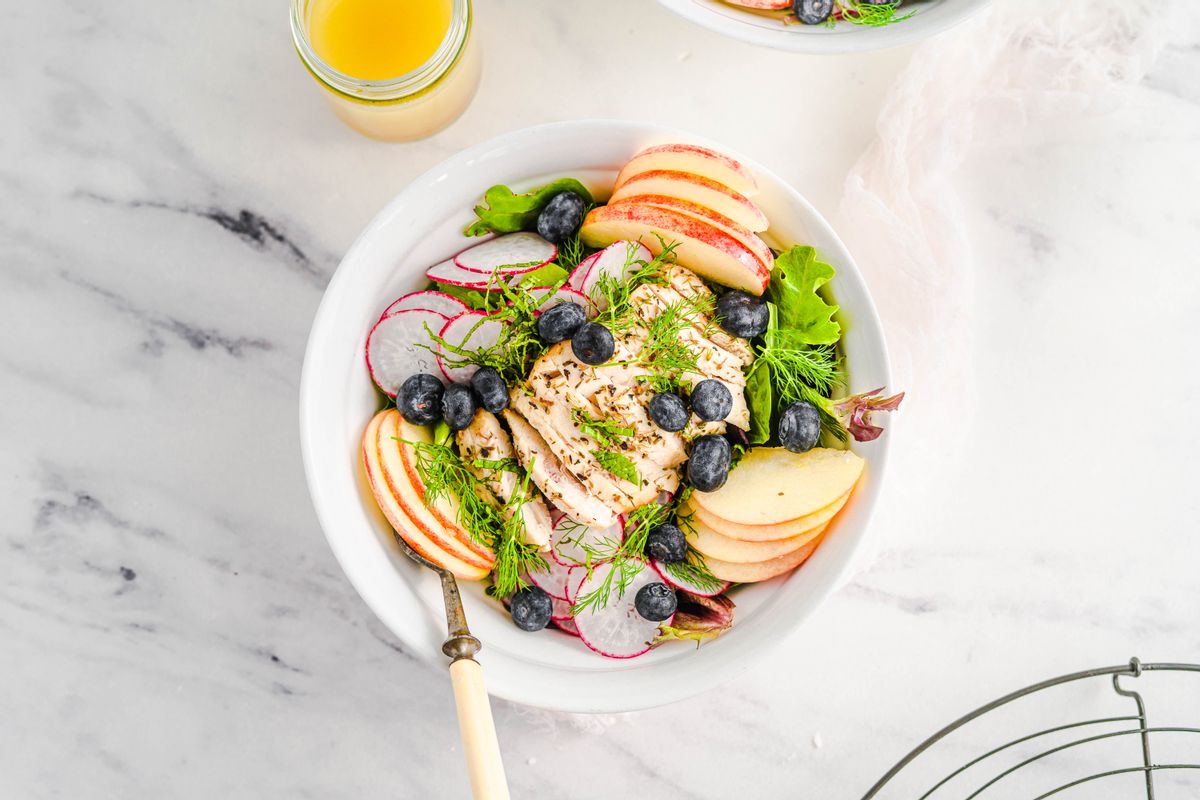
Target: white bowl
422	226
933	16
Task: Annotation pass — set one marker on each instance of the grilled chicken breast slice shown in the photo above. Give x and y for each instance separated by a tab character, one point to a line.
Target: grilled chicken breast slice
559	486
485	439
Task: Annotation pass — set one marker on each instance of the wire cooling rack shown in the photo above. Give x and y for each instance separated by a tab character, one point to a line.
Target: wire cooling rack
1070	757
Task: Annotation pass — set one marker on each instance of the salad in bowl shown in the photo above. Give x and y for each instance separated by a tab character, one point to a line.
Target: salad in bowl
625	385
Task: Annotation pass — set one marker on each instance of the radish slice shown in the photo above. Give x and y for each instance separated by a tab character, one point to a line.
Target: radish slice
551	297
579	274
511	254
566	625
451	273
570	541
618	630
444	304
575	578
613	260
560	610
663	571
393	348
552	581
471	331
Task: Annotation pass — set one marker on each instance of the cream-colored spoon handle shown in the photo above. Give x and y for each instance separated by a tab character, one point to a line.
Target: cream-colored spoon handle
478	731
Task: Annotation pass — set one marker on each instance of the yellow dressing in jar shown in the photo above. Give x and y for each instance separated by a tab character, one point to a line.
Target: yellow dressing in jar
392	69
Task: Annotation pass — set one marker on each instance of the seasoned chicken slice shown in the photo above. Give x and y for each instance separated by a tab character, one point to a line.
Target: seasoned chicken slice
486	440
686	283
547	473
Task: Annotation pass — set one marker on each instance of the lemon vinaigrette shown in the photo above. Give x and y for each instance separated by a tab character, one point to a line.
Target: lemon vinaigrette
392	69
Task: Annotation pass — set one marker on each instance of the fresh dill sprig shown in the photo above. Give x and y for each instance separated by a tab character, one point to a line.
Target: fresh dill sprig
605	432
611	292
444	474
664	352
572	251
872	15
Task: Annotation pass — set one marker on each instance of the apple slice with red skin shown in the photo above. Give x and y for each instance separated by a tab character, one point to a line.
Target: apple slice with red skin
694	159
395	514
761	570
392	452
743	234
446	508
701	247
695	189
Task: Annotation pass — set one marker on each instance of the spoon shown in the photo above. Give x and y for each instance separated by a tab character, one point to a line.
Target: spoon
475	725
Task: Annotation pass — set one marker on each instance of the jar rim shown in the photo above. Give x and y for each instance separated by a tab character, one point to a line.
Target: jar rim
410	83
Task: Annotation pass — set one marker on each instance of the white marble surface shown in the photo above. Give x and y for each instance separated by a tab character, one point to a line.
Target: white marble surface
174	196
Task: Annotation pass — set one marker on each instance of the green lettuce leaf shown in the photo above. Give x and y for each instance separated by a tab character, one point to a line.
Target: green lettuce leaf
503	211
618	465
760	399
803	314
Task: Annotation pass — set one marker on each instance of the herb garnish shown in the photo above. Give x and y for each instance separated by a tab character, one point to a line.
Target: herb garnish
665	352
604	431
502	529
872	15
610	293
618	464
627	558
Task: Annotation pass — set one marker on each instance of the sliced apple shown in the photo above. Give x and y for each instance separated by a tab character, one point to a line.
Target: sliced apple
695	189
771	485
396	515
715	545
702	247
394	473
446	508
761	570
694	159
743	234
766	533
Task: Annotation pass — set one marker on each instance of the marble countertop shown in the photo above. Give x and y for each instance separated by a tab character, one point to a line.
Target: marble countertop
174	198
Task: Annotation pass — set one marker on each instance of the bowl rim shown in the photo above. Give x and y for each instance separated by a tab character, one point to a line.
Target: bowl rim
733	23
359	573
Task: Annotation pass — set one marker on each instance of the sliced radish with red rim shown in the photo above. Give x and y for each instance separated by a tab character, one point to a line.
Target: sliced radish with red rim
579	274
394	350
553	580
617	630
682	581
440	302
566	626
450	273
472	331
560	609
511	254
570	541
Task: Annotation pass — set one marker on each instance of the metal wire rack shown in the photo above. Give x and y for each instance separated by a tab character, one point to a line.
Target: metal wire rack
991	773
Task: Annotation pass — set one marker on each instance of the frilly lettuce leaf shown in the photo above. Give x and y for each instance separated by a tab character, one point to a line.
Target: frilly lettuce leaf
803	313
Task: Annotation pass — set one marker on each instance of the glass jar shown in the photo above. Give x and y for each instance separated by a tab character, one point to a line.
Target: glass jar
412	106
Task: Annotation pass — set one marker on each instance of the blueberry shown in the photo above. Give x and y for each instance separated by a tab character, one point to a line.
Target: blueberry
711	400
458	406
593	343
799	427
560	322
708	466
561	217
814	12
493	394
668	411
742	315
420	399
666	543
655	601
531	609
